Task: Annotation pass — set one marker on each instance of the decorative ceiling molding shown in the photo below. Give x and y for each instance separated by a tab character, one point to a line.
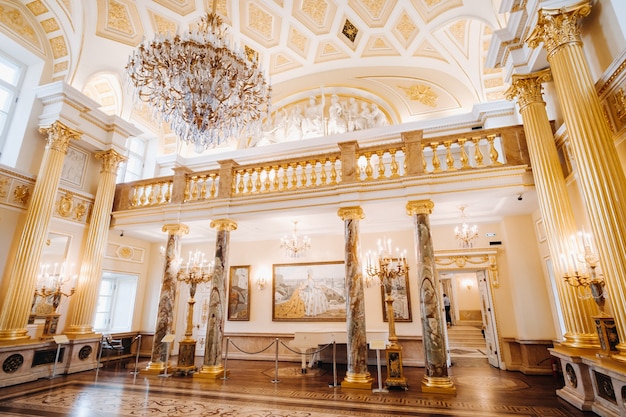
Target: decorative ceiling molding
161	24
282	62
405	30
118	20
426	49
181	7
329	51
375	13
458	32
298	42
17	22
379	45
431	9
316	15
260	24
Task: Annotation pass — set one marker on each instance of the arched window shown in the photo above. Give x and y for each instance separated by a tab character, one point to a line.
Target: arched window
11	78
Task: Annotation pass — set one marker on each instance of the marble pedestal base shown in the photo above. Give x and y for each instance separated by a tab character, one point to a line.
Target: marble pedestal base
438	385
186	355
395	372
578	389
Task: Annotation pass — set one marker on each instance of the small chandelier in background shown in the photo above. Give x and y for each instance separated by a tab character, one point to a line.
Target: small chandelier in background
295	246
465	234
207	91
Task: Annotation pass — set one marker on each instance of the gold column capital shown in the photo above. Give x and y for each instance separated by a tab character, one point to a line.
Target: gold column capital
351	213
176	229
558	26
111	160
224	225
419	207
528	87
59	135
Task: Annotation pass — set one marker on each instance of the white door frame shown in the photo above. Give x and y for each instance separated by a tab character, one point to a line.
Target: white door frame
472	260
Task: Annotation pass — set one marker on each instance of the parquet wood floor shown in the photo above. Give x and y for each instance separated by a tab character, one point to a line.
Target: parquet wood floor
482	391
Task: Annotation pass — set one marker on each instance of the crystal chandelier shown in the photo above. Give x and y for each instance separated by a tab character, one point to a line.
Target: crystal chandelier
465	234
207	91
294	245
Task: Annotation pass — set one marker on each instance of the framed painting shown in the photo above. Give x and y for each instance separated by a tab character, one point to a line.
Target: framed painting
309	292
398	288
239	293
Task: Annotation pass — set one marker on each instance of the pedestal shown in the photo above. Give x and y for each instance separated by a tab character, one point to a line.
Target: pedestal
186	356
395	373
607	333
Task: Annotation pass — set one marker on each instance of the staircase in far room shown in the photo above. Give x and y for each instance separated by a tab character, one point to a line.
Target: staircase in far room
466	341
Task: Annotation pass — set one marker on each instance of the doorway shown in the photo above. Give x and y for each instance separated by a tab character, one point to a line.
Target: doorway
473	327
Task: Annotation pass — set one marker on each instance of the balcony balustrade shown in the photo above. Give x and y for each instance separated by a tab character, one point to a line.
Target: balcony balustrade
412	156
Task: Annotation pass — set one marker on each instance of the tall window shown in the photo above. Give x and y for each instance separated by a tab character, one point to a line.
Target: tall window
11	77
133	168
116	303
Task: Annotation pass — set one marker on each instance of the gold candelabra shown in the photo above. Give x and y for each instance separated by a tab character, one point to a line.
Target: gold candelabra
49	289
196	271
383	268
585	278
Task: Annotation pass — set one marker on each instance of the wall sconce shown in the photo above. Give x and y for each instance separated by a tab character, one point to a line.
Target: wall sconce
261	282
468	283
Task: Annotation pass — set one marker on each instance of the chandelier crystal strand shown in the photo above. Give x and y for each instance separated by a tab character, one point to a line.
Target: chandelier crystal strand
465	234
294	245
207	91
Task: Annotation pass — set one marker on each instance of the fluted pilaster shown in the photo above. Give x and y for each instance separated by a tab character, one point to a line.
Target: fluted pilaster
23	277
357	375
602	180
556	209
165	312
83	303
436	377
212	366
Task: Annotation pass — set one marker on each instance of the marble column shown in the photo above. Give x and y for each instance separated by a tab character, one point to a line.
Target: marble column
83	304
165	313
23	276
602	180
357	375
212	367
436	377
556	208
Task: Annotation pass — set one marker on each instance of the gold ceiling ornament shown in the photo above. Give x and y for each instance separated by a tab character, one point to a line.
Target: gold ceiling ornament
465	234
206	90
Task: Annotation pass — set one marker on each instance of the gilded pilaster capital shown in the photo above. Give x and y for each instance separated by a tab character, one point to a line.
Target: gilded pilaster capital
351	213
224	225
59	136
111	160
419	207
557	27
528	87
176	229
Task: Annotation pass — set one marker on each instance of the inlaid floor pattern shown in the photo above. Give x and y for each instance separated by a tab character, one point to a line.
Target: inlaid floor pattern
252	391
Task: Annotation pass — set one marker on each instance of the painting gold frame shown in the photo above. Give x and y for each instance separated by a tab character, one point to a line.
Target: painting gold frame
309	292
402	298
239	293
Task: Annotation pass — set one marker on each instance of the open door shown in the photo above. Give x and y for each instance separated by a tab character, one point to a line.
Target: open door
489	327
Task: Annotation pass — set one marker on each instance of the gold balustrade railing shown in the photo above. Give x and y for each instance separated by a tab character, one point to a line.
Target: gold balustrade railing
148	194
201	186
317	171
413	154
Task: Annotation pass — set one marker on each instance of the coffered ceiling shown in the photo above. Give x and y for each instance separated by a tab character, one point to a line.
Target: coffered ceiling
417	59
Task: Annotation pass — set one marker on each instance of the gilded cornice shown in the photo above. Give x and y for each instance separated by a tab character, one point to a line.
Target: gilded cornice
419	207
351	213
528	87
557	27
